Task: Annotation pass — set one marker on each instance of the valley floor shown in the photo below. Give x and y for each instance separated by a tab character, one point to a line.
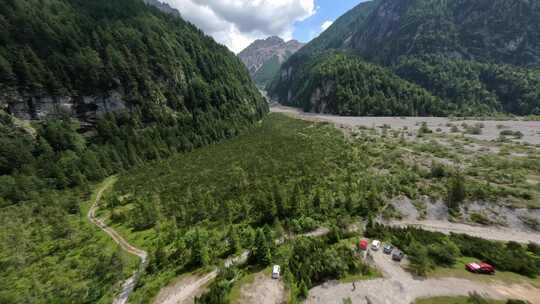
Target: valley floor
153	205
491	129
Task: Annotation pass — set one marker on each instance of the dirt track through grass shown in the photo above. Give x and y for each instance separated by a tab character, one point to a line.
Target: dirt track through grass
129	284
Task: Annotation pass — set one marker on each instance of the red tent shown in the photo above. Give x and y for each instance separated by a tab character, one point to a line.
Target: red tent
363	245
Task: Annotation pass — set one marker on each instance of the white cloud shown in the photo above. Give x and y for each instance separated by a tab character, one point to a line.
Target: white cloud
326	25
236	23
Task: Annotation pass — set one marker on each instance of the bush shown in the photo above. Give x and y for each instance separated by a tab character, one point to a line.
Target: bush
424	129
444	253
438	170
456	192
219	289
534	248
511	133
475	298
420	262
474	131
479	218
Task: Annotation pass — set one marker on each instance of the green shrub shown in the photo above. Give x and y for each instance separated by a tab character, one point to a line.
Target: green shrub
456	192
511	133
219	288
424	129
480	218
438	170
534	248
420	262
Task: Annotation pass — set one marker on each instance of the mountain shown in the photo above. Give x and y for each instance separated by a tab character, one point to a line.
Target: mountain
477	57
263	58
164	7
91	87
130	56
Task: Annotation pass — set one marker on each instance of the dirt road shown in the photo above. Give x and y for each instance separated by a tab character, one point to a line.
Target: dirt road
400	287
129	284
186	288
485	232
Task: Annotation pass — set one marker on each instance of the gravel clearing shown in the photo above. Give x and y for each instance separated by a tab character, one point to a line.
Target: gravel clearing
490	131
400	287
263	290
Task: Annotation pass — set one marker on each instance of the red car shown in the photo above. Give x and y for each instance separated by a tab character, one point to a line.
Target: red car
363	245
483	268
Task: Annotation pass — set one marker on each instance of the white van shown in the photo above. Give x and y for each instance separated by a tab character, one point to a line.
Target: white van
275	272
375	245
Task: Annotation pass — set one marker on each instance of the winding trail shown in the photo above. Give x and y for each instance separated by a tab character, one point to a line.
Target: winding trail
129	284
185	289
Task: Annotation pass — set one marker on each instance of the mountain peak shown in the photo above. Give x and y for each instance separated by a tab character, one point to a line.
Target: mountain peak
266	55
274	39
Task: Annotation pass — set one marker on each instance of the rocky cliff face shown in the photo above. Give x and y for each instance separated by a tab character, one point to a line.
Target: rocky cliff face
264	57
87	109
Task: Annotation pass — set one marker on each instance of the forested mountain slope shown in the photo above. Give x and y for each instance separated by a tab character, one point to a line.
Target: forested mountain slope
144	83
494	44
87	89
90	57
498	31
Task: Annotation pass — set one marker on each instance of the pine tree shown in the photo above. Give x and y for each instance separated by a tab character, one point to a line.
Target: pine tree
199	250
419	258
456	192
261	252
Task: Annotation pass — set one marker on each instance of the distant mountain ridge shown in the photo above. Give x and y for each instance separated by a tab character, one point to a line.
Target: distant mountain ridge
164	7
473	56
264	57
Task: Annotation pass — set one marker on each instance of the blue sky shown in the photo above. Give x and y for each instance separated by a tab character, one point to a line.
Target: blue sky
327	10
237	23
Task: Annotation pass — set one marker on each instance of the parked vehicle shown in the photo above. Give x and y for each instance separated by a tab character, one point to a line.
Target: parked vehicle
363	245
276	272
387	249
375	245
483	268
398	255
